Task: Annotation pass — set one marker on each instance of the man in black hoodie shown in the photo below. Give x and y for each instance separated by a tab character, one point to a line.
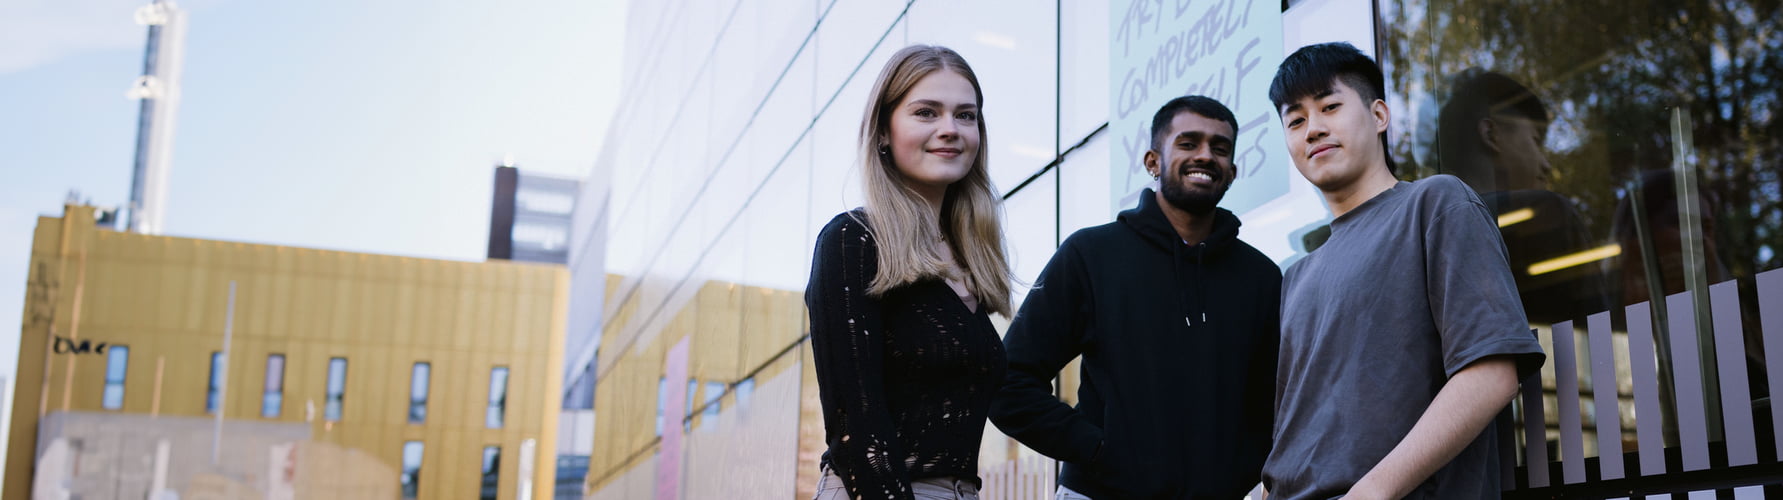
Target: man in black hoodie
1176	320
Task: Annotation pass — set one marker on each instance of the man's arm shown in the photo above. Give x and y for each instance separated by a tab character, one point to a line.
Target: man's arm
1466	403
1485	341
1046	334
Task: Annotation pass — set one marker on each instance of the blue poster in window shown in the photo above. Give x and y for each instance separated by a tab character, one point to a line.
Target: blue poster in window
1224	49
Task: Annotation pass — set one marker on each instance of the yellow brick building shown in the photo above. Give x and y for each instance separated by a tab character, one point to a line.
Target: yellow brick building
324	339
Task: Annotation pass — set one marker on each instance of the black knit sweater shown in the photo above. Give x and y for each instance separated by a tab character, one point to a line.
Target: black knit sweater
906	379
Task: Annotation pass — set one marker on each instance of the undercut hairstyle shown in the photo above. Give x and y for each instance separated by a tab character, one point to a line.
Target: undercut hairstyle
1316	69
1200	105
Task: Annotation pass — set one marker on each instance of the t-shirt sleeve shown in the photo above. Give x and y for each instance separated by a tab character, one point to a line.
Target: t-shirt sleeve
1473	297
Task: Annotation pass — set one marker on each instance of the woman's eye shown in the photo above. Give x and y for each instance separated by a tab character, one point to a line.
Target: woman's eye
967	115
925	112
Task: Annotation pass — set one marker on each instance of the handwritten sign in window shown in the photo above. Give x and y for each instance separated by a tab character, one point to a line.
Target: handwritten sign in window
1224	49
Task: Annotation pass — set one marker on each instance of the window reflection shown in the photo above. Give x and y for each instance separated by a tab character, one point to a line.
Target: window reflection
1629	150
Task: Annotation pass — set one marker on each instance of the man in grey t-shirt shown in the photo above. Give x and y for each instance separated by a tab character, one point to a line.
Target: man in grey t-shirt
1403	335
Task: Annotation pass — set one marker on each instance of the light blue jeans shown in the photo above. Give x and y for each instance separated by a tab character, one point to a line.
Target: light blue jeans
829	487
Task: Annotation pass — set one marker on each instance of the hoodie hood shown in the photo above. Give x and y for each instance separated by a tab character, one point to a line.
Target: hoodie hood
1149	221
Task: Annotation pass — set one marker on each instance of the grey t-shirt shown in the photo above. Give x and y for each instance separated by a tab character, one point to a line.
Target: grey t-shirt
1412	287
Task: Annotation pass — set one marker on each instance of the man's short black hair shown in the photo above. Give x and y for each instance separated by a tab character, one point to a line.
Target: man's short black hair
1478	94
1314	69
1200	105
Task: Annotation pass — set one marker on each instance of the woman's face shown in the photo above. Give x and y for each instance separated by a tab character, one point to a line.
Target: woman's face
934	131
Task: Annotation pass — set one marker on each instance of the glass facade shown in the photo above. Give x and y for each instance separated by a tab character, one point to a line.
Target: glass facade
117	364
1651	174
737	142
1630	152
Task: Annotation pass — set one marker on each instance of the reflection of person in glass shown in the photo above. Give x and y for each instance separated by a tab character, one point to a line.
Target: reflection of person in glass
1402	336
1490	135
901	291
1176	321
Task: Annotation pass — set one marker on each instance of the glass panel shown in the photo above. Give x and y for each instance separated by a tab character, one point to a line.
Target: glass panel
418	393
337	387
411	468
1628	157
117	362
498	397
213	395
491	473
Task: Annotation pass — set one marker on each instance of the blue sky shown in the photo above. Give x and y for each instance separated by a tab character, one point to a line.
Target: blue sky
361	126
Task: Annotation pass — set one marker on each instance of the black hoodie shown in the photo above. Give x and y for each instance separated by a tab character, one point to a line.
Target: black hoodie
1179	347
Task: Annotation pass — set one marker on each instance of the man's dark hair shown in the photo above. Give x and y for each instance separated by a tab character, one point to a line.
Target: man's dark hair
1200	105
1478	94
1314	69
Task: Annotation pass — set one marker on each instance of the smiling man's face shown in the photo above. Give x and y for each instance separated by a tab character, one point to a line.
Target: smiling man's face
1193	162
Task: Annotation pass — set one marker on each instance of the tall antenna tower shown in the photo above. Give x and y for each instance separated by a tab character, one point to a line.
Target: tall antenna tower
159	90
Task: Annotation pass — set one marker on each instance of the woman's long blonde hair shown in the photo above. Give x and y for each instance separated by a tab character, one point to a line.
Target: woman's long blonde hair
900	217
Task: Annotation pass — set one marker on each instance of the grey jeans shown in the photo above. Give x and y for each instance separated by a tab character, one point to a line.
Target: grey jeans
829	487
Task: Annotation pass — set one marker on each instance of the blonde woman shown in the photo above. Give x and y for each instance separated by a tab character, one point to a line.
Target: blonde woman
902	289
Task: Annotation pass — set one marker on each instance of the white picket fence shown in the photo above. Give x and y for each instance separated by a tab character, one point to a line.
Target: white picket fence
1030	478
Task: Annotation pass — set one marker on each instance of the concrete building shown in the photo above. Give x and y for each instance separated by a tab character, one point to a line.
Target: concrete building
443	372
529	217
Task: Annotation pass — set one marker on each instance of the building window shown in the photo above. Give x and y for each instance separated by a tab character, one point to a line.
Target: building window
117	361
491	473
337	388
213	394
745	389
272	400
713	405
411	469
418	393
662	401
498	397
693	389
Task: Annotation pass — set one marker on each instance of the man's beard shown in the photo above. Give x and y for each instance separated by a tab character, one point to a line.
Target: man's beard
1197	202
